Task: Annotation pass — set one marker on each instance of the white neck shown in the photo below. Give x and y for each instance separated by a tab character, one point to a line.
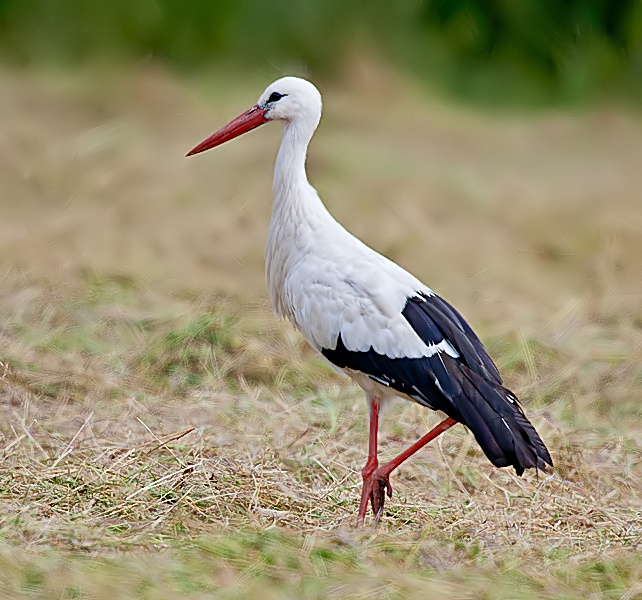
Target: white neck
289	170
294	199
297	211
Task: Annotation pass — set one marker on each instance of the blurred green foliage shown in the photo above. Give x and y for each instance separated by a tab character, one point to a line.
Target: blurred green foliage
527	51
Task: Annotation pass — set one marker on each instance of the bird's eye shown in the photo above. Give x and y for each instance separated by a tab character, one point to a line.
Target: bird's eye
274	96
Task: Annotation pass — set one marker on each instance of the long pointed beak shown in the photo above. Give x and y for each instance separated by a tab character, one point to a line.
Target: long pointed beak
249	120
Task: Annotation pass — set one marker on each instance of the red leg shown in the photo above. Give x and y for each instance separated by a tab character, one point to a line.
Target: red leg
418	445
376	481
372	463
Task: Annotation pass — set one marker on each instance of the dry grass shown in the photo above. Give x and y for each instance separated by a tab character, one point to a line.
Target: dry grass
150	402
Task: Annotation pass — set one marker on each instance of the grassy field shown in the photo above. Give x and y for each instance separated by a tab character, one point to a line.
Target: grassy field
163	436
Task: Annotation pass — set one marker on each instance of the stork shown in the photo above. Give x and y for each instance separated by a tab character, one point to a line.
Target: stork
367	316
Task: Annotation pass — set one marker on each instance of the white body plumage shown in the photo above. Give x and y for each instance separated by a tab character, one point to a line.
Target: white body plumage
322	278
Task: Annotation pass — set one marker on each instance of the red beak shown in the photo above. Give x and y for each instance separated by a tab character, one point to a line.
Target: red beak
246	122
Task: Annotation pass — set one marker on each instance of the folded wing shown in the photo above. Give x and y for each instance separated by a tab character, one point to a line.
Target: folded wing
457	376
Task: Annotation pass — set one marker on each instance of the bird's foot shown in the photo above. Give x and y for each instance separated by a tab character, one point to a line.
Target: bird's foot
376	485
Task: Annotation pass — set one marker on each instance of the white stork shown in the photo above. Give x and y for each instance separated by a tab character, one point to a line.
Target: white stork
368	317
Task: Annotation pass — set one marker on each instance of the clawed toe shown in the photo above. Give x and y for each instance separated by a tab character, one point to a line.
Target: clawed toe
376	479
375	489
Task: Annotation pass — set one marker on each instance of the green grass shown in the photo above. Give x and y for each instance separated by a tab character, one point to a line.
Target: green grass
162	435
532	54
278	564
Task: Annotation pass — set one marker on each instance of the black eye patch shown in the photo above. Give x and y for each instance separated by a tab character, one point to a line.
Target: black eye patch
274	96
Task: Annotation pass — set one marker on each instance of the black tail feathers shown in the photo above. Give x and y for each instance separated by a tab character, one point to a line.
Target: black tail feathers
498	423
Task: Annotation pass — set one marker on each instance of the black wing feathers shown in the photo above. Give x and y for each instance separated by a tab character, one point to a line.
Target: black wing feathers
408	376
467	388
434	319
500	426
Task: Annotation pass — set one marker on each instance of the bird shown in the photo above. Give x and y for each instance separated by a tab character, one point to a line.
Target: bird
370	318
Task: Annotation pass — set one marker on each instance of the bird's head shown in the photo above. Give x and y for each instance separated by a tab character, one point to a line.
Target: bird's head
288	99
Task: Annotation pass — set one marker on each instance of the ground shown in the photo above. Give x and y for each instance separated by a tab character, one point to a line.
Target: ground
163	436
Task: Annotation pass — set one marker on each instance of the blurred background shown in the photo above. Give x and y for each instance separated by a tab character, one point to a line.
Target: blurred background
492	148
511	127
531	52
